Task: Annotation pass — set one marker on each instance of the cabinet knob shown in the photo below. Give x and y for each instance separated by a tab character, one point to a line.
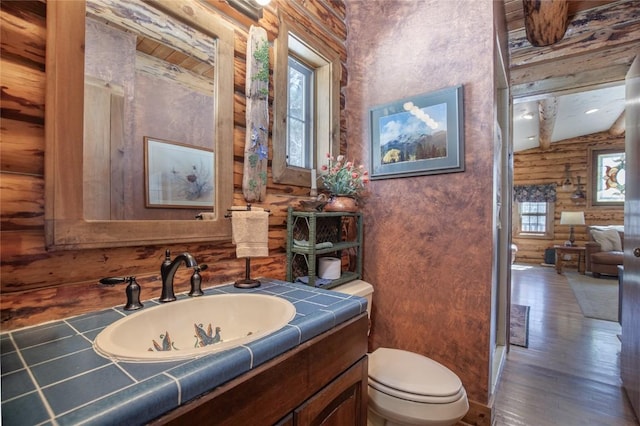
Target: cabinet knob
636	252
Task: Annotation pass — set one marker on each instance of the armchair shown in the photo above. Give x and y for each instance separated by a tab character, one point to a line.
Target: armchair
604	250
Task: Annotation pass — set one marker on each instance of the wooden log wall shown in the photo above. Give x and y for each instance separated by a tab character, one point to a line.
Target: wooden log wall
37	285
537	166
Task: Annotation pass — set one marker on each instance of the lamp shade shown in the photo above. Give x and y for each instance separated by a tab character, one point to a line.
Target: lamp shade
572	218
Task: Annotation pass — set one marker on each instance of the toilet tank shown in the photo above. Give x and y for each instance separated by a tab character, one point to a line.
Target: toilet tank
357	288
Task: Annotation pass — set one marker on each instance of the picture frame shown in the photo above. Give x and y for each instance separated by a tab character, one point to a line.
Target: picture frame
419	135
178	175
607	174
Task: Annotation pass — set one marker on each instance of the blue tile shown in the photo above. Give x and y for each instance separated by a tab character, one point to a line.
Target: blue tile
28	410
47	351
202	375
44	333
141	370
315	324
92	334
137	404
278	289
61	368
96	320
10	362
300	294
273	345
346	310
15	384
324	299
67	395
6	345
306	308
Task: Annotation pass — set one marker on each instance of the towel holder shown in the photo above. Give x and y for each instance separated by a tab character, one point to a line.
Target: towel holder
247	282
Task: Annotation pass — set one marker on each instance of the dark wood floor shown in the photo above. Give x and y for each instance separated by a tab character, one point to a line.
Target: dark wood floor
570	373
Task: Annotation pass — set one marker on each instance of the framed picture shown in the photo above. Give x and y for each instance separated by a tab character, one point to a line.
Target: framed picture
420	135
607	172
177	175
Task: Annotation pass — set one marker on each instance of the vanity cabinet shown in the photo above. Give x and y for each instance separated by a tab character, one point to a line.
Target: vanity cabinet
325	234
322	381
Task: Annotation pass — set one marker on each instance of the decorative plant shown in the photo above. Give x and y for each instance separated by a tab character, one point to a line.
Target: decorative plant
344	178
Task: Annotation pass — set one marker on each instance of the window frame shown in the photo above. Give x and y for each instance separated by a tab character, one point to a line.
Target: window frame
307	118
550	222
295	40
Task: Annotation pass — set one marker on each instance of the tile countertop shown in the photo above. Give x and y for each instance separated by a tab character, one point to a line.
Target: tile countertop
52	376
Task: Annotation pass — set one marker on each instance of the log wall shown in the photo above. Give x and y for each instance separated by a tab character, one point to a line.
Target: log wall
537	166
37	285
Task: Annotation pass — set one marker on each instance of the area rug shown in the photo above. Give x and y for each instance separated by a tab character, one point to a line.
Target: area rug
597	297
519	327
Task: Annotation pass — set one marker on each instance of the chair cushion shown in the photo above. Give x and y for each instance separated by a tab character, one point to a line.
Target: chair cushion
609	239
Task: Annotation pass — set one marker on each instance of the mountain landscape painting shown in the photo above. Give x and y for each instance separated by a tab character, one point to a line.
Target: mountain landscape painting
414	134
419	135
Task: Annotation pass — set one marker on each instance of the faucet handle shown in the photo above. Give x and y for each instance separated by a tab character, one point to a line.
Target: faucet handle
113	280
196	281
133	295
132	291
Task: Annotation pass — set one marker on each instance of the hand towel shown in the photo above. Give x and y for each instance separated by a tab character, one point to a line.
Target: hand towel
250	230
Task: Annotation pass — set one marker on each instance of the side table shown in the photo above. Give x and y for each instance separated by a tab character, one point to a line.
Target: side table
562	250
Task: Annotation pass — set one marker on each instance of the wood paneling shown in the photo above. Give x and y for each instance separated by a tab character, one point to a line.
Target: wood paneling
37	285
537	166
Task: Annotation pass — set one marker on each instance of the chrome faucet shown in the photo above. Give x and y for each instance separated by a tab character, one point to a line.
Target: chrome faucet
168	271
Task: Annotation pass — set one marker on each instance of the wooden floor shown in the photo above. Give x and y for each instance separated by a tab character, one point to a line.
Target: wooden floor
570	373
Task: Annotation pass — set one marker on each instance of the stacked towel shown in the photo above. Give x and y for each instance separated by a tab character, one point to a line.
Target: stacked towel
251	232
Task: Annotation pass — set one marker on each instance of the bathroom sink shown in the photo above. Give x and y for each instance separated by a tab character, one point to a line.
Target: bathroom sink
193	327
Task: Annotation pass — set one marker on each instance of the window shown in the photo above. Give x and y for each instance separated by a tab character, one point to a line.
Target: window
607	174
535	219
306	106
300	115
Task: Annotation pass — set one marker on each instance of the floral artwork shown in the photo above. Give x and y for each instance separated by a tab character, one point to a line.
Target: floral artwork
609	177
178	175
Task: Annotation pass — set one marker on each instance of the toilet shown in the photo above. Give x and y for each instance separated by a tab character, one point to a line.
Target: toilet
406	388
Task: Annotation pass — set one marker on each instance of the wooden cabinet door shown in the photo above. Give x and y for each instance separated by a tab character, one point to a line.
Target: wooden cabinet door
342	402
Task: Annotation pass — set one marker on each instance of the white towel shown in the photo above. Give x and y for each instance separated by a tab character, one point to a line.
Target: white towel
250	232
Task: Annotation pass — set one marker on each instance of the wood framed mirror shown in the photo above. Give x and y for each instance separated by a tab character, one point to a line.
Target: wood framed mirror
72	220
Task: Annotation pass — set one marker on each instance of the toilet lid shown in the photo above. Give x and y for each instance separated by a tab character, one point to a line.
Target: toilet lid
411	376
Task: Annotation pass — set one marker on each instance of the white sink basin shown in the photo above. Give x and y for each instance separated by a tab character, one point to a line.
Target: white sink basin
193	327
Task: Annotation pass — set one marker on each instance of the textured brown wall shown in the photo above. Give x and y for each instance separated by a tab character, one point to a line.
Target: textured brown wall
428	239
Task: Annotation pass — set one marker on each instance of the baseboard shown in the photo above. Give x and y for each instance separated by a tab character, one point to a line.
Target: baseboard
478	415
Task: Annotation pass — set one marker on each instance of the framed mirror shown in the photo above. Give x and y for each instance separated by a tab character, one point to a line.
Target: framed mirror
98	177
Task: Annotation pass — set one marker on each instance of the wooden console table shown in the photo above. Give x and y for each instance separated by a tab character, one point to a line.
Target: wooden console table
562	250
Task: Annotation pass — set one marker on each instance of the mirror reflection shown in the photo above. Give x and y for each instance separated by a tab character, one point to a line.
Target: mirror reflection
148	77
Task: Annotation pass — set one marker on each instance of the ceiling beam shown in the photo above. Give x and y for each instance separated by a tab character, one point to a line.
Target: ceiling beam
547	109
601	67
619	126
545	22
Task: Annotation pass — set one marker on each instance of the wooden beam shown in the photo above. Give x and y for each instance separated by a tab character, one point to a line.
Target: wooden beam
545	21
547	108
619	126
602	67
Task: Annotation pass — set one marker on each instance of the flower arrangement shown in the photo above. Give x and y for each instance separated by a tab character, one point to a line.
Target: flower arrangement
344	178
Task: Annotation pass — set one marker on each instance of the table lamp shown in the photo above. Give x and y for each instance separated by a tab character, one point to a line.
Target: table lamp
572	219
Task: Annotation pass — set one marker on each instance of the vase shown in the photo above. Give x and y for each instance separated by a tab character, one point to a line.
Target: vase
341	203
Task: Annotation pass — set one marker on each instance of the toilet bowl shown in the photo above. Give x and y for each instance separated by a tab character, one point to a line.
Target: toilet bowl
406	388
